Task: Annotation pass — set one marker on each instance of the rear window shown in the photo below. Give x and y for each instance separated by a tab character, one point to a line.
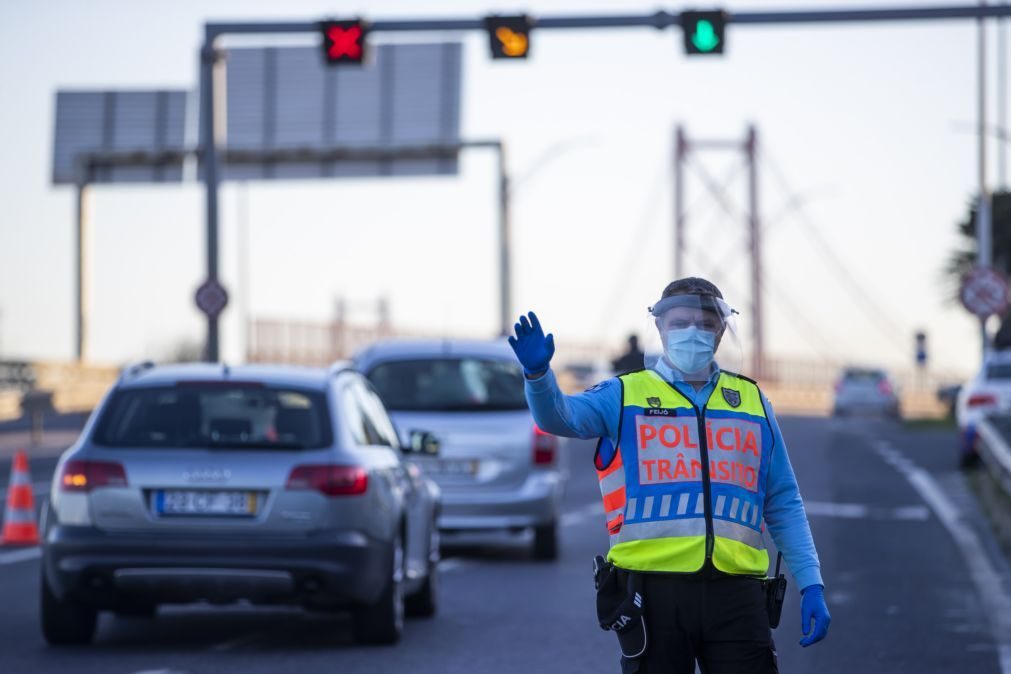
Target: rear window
863	376
215	414
998	371
450	385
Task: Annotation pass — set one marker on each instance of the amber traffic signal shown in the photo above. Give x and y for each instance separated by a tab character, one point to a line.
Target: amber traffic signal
509	36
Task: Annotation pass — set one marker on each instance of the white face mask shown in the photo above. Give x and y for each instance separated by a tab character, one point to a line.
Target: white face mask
691	349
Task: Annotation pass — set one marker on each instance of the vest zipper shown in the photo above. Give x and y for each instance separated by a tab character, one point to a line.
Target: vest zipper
707	488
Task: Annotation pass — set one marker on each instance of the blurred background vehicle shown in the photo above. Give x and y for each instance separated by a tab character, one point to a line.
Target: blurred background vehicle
269	484
987	393
496	469
948	396
865	391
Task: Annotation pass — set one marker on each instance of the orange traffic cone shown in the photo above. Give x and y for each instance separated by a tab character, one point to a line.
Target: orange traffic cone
20	527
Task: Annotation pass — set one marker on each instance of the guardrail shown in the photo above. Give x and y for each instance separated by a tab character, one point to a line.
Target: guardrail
994	446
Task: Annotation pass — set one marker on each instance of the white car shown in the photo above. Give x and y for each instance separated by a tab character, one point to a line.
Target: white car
496	470
987	393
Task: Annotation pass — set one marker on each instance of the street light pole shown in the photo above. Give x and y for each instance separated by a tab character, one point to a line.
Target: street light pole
209	163
1002	120
984	234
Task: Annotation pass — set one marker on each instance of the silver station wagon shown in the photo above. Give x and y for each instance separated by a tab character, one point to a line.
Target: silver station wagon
266	484
495	468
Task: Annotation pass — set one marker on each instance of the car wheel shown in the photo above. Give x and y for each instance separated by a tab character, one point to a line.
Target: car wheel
64	622
546	542
425	602
383	622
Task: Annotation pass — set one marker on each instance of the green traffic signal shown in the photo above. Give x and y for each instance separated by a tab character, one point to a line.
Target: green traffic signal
705	38
703	31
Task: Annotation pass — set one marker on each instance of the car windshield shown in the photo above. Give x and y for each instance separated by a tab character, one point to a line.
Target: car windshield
222	415
450	384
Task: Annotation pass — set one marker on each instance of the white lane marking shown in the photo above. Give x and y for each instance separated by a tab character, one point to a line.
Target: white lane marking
996	603
579	516
162	671
15	556
864	511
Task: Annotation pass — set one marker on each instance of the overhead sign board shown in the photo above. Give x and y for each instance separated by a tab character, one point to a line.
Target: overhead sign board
91	124
286	99
984	292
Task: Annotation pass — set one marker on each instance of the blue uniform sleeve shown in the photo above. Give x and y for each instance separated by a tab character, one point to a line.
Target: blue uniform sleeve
591	414
785	515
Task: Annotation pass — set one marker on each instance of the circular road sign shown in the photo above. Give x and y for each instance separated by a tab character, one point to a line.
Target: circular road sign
211	298
984	292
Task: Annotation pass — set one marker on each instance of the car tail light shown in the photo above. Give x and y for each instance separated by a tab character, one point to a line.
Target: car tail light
981	399
545	447
885	387
329	480
83	476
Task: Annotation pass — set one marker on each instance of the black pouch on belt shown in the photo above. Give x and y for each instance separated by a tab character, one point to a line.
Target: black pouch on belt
620	606
775	593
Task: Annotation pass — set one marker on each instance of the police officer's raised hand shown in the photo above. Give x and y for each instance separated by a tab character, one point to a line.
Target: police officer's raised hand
813	609
532	348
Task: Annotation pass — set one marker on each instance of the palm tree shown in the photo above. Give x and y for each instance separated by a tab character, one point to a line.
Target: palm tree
963	258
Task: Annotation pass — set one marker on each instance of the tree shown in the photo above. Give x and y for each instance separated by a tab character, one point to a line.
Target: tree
963	258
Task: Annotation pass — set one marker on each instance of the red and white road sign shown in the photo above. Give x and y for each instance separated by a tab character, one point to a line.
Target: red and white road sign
212	298
984	292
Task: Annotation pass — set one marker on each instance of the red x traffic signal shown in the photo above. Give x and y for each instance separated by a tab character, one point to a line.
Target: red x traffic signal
344	41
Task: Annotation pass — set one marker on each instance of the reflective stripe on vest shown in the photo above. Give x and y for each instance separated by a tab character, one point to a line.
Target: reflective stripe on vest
654	488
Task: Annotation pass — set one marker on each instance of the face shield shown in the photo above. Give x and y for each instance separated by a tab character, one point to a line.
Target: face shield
688	333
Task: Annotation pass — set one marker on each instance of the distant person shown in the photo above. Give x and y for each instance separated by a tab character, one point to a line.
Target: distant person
693	471
631	360
1002	340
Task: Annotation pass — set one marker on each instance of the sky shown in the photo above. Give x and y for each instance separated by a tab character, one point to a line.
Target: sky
866	166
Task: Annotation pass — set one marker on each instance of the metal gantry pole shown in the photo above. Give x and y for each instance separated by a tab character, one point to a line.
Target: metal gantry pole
82	241
505	244
984	233
209	163
680	149
1002	120
755	240
242	220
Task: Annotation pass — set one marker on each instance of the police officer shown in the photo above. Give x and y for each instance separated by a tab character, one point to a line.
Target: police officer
691	464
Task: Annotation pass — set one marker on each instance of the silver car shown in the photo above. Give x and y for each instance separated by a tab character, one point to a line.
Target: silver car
495	468
268	484
865	391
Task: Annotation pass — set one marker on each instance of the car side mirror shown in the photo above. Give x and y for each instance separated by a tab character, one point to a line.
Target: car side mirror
422	442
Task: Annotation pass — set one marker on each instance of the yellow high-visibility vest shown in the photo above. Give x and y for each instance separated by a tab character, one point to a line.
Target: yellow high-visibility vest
686	484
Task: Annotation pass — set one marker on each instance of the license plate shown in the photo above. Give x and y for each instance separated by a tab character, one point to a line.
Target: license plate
452	467
205	502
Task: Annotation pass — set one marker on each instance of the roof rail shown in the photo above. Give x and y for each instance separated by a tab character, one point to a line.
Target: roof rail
134	369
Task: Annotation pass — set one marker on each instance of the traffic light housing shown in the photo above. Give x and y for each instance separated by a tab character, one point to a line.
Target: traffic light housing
344	42
704	32
509	36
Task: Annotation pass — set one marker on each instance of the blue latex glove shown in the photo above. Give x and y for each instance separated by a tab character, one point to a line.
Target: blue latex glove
812	607
532	348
